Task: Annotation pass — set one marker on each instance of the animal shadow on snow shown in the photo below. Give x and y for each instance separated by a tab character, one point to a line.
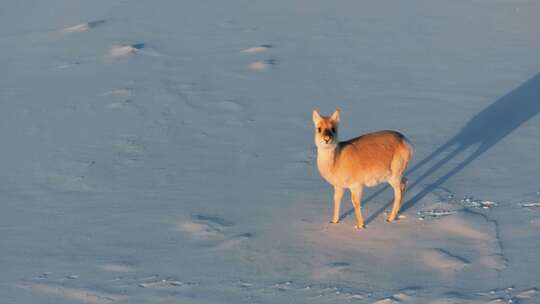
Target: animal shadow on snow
484	131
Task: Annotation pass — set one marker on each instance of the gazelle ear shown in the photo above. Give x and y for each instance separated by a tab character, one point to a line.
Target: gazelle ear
335	116
316	117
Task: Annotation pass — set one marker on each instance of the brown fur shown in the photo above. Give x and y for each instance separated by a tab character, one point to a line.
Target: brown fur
367	160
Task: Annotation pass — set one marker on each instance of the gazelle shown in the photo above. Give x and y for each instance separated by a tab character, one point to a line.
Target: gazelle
367	160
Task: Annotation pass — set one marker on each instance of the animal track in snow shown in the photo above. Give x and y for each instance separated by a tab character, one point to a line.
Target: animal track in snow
199	230
132	49
509	295
470	202
497	296
259	65
324	292
164	283
212	228
436	210
125	288
257	49
262	65
398	298
527	294
204	227
445	195
530	205
75	294
283	286
83	26
72	276
124	50
212	220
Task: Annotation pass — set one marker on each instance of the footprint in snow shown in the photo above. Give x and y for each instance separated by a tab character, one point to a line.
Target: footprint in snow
164	283
396	298
212	228
262	65
204	227
83	26
530	205
124	50
502	295
212	220
434	211
470	202
119	51
257	49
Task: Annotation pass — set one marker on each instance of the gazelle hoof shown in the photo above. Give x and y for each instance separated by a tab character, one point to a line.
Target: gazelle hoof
334	222
361	227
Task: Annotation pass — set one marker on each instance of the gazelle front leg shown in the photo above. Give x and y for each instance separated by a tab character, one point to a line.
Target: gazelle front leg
338	194
356	195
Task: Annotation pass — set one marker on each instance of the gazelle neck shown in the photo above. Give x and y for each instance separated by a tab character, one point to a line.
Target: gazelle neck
326	157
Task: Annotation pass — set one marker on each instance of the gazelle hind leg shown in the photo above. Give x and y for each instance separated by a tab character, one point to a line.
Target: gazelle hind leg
399	189
404	182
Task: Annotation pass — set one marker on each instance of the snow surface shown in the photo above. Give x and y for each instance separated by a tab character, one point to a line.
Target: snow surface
162	151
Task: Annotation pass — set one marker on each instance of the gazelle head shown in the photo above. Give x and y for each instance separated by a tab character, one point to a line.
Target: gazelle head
326	129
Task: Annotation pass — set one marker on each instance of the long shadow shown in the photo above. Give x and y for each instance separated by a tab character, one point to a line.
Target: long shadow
484	130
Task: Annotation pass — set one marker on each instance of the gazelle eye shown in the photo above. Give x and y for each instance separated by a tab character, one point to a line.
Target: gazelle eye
333	130
319	130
